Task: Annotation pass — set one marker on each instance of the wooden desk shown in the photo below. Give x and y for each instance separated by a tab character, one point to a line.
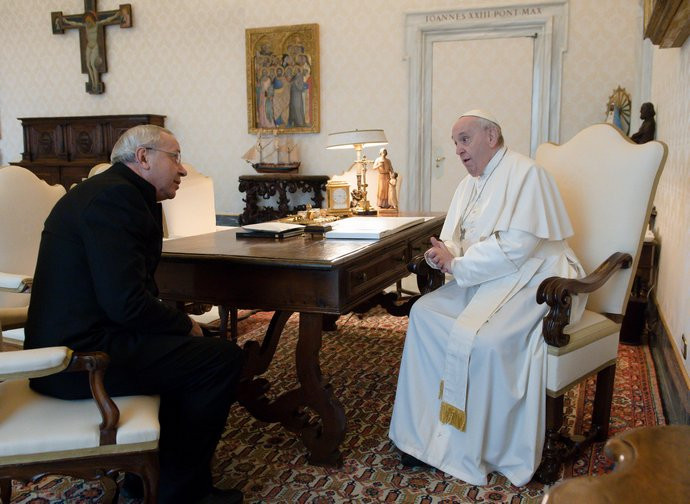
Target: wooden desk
315	277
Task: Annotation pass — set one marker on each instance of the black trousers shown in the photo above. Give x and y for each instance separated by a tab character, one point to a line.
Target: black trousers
196	379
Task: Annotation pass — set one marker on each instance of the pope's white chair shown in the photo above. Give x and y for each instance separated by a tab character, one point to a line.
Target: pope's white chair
89	439
608	185
25	202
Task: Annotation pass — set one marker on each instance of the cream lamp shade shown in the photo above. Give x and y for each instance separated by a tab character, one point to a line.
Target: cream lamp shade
356	139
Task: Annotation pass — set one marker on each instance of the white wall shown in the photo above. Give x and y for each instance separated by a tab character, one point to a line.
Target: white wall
671	98
187	60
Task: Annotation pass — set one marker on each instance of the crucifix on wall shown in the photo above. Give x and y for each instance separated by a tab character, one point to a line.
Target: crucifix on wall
92	37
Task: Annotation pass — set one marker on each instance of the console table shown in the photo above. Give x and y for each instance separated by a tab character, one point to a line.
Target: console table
267	186
62	150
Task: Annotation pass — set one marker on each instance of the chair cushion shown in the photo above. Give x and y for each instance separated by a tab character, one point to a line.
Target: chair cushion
593	346
34	427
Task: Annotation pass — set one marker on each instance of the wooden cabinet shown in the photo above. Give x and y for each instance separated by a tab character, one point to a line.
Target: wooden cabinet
63	149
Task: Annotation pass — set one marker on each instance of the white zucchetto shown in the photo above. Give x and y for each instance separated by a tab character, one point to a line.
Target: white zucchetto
481	113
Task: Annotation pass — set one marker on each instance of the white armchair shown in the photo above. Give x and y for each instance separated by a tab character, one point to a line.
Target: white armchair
25	202
193	209
90	439
608	185
192	212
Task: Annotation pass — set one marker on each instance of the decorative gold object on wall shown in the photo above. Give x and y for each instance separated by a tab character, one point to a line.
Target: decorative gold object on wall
618	109
283	78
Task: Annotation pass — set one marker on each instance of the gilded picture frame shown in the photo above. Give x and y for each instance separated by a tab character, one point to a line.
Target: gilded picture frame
283	79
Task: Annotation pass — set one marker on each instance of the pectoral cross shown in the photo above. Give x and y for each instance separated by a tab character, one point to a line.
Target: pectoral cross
92	37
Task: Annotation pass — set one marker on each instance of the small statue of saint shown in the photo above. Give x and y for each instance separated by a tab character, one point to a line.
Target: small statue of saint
648	127
384	166
393	191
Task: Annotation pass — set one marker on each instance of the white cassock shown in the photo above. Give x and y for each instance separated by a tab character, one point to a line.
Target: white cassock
470	397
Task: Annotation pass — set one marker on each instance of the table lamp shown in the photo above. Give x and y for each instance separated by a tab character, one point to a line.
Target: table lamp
357	140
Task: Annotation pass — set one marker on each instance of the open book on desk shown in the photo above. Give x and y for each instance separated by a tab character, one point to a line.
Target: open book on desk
370	228
270	230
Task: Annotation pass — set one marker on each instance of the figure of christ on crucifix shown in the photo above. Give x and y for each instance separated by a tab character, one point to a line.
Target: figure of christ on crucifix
92	37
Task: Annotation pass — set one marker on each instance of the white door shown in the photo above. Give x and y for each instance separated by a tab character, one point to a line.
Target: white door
493	74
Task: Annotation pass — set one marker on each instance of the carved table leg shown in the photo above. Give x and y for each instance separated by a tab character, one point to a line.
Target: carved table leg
322	436
321	440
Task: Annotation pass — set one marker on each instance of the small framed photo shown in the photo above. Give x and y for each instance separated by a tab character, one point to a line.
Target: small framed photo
283	79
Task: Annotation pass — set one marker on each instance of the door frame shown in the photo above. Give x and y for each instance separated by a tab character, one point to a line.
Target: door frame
547	21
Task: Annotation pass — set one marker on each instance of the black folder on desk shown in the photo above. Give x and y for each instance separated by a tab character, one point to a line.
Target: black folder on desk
247	233
277	230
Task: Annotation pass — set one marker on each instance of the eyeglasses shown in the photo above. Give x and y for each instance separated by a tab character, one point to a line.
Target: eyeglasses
177	156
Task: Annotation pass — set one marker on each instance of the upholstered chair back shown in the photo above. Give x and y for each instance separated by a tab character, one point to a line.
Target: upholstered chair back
99	168
25	202
193	210
608	185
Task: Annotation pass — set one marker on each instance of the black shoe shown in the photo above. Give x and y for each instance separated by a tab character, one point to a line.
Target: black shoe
408	460
218	496
132	487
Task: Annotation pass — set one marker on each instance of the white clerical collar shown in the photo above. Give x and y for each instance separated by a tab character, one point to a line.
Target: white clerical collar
491	166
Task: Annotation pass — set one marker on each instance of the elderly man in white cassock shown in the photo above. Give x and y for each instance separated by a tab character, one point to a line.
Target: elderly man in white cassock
470	397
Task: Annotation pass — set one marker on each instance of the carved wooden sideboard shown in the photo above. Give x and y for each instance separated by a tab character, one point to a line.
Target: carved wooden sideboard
63	149
280	185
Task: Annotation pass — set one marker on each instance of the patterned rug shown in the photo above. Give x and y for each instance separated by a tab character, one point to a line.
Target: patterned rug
362	358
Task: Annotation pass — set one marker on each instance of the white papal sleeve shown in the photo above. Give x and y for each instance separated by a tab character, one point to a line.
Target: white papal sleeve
499	255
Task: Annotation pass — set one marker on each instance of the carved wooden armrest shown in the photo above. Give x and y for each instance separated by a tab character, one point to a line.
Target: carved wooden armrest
557	292
428	278
96	363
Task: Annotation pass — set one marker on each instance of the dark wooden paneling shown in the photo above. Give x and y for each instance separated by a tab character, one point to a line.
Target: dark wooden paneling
63	149
675	393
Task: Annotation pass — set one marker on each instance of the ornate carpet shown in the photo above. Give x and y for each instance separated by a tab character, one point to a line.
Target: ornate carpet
269	463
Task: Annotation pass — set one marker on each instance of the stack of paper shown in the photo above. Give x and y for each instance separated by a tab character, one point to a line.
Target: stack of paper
370	228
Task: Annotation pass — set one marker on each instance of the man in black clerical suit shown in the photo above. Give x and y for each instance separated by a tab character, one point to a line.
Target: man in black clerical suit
94	289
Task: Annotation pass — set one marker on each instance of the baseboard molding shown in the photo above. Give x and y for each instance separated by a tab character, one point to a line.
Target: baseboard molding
671	375
227	220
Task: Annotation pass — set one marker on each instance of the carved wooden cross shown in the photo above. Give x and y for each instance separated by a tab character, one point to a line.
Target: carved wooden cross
92	37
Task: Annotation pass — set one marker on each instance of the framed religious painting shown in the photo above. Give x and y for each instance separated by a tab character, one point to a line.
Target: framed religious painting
283	79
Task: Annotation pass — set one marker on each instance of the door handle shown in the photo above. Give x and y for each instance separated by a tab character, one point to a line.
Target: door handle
438	161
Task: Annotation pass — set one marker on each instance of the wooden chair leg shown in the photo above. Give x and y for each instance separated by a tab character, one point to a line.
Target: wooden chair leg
149	474
5	490
552	454
233	323
228	321
603	397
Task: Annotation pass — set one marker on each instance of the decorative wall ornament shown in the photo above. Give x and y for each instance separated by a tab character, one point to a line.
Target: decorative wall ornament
283	78
618	109
91	25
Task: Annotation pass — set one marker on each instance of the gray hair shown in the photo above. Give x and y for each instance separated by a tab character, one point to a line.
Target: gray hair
144	135
486	125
